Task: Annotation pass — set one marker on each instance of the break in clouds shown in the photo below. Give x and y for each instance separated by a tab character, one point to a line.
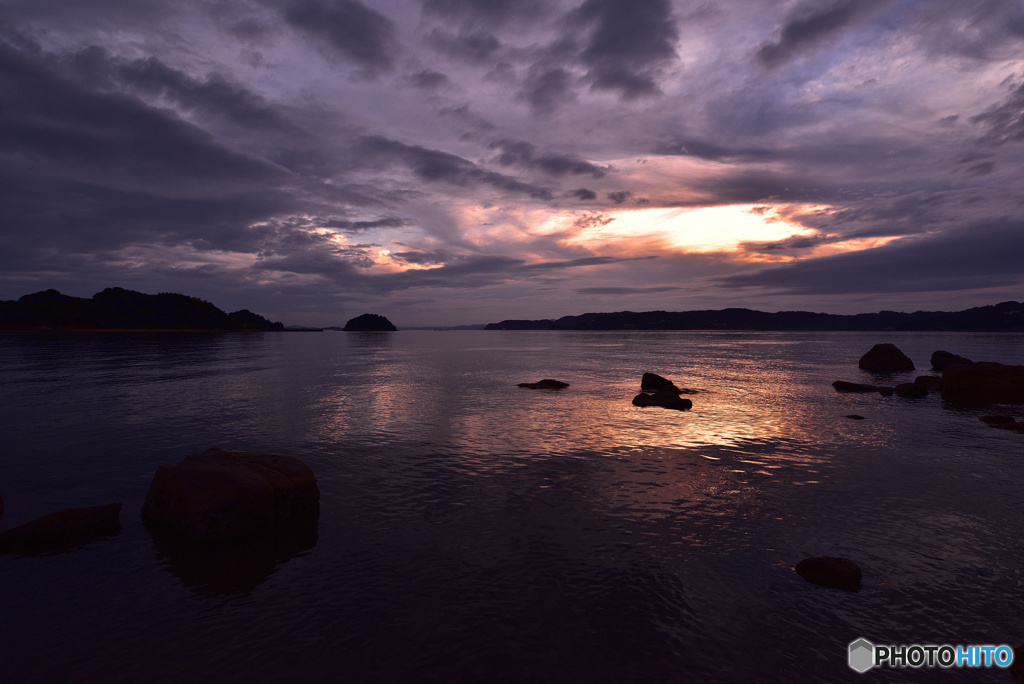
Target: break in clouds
464	161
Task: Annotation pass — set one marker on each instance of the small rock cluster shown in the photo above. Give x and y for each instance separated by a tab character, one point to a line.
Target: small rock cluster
658	391
963	382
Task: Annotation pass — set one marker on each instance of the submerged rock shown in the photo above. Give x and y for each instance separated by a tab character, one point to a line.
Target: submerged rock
547	384
886	358
662	399
982	384
932	383
911	390
941	359
218	497
62	531
839	573
854	416
843	386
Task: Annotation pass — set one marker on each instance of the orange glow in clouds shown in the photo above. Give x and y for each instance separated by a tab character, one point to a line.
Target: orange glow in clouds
708	229
723	229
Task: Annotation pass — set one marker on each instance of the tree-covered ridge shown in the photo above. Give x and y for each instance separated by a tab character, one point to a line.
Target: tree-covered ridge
369	323
119	309
1007	316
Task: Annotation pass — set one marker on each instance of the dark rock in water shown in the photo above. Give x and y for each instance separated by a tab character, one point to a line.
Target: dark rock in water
839	573
369	323
854	416
932	383
652	382
546	383
662	399
941	359
886	358
911	390
982	384
843	386
62	531
997	420
219	497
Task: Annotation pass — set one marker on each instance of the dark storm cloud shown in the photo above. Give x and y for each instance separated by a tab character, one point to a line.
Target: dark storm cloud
83	171
625	290
525	155
51	123
619	196
1004	123
584	195
811	24
488	11
348	29
712	151
214	97
423	258
360	226
986	30
442	167
473	47
581	261
483	270
429	80
311	255
546	89
986	255
628	43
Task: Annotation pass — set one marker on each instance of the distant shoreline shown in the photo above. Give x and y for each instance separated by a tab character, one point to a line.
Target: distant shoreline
77	331
1003	317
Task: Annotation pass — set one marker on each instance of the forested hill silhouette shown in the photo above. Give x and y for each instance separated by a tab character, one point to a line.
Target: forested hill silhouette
119	309
1007	316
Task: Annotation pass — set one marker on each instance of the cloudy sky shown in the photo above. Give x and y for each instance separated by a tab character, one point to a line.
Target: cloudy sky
467	161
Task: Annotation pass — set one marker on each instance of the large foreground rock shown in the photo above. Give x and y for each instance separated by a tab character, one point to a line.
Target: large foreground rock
886	358
982	384
839	573
220	497
62	531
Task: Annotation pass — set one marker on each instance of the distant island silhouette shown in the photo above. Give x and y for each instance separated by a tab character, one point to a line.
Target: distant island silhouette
119	309
369	323
1004	317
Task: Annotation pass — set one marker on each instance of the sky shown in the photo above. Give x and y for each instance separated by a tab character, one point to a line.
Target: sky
450	162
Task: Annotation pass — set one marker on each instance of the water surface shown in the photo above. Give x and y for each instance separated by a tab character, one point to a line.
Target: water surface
472	531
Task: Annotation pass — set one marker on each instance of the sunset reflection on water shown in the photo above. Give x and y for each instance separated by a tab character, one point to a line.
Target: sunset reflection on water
466	521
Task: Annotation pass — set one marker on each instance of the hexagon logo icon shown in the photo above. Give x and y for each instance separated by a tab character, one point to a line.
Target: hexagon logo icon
862	655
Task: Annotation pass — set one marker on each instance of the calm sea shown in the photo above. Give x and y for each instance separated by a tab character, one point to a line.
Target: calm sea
472	531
